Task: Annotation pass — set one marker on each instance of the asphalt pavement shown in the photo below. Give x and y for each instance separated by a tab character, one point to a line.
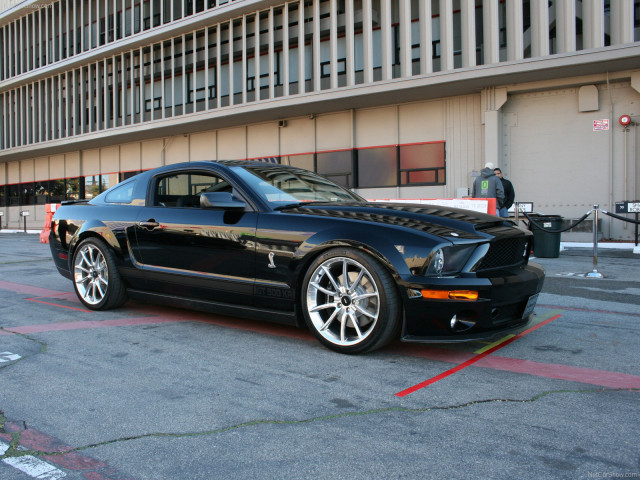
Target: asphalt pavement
150	392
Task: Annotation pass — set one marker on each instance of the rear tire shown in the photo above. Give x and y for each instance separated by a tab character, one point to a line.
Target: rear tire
350	302
95	277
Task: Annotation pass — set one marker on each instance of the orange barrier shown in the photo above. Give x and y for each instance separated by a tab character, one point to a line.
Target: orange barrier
50	209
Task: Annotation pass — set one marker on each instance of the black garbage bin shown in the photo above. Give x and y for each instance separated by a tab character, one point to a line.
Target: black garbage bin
546	244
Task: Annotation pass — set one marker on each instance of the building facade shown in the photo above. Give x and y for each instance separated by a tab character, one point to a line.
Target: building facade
398	99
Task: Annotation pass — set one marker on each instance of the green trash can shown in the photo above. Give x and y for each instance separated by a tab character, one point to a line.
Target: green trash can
546	244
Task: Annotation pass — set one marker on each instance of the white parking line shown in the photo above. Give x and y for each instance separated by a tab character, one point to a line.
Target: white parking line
9	357
32	466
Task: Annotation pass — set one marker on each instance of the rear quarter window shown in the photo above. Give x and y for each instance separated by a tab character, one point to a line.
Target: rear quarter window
122	193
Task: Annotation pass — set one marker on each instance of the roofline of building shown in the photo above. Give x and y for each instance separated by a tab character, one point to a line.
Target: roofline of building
618	62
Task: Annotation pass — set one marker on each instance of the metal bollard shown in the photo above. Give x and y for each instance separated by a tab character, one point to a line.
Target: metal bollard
594	273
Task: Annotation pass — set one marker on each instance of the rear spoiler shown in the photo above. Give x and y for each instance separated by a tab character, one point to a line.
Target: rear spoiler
74	202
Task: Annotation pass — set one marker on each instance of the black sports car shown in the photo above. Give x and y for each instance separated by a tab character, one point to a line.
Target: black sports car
283	244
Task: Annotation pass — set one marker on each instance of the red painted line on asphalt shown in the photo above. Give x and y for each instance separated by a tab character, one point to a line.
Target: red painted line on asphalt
58	305
31	439
561	372
28	289
66	326
472	360
590	310
155	315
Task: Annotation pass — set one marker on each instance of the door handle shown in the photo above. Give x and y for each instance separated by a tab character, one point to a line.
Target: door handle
149	224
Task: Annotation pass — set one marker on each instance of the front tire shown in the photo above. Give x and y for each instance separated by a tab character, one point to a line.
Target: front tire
95	277
350	302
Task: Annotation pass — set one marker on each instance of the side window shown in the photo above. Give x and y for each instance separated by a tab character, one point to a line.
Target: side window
122	193
183	189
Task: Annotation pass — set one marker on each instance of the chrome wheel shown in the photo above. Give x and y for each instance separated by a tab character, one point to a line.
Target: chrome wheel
91	274
342	301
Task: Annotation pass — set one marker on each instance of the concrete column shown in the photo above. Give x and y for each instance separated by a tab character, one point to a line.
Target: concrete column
515	50
621	22
405	38
592	23
491	21
367	45
493	99
446	35
566	25
333	43
350	35
468	24
539	29
426	45
385	27
317	70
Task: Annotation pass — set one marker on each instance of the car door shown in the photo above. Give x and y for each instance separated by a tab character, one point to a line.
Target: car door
191	251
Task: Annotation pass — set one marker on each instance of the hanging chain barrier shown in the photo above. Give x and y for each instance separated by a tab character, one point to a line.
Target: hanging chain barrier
595	210
624	219
550	230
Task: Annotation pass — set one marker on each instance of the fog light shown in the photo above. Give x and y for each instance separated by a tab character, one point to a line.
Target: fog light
450	294
459	325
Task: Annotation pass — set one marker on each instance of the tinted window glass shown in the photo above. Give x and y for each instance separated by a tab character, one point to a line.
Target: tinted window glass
91	186
73	188
184	189
283	186
122	193
300	161
56	190
28	191
378	167
41	193
336	166
14	195
423	164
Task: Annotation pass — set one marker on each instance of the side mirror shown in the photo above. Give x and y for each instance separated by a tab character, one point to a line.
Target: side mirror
220	200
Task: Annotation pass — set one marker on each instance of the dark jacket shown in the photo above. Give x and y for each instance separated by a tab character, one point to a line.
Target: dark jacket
509	193
488	185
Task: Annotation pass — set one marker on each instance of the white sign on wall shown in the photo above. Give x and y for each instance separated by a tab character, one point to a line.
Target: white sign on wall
601	125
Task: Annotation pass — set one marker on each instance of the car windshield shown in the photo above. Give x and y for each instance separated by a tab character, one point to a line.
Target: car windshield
285	186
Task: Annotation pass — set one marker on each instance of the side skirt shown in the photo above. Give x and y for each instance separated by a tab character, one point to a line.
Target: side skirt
274	316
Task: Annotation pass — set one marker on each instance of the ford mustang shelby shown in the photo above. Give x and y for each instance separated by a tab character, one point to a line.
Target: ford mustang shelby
283	244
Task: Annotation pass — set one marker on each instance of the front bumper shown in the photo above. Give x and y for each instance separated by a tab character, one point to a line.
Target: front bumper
505	304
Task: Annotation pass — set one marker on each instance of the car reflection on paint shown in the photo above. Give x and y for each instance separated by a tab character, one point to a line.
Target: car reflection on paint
283	244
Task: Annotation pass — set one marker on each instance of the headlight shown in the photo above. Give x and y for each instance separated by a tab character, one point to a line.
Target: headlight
436	262
448	260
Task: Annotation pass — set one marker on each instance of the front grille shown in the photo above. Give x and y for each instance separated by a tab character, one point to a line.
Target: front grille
505	252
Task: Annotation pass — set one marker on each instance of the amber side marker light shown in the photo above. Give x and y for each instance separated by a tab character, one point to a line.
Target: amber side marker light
450	294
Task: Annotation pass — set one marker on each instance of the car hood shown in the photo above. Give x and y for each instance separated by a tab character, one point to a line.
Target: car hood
446	222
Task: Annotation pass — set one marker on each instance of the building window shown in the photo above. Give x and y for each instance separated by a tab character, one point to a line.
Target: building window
14	195
336	166
377	167
423	164
305	160
75	188
41	192
91	186
126	175
27	191
57	191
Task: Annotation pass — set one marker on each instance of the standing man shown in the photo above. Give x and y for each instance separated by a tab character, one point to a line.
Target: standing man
488	185
509	194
